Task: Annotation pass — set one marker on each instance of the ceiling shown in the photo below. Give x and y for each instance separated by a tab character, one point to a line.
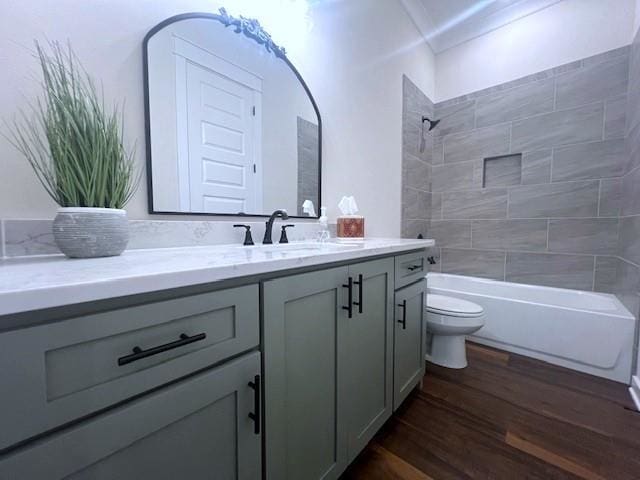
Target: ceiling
447	23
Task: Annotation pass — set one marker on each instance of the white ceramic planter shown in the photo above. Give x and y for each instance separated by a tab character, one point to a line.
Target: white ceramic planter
88	232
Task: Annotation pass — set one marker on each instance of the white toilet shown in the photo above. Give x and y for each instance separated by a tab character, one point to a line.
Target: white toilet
449	320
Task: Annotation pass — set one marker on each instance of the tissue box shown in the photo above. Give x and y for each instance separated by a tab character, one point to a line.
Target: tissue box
351	226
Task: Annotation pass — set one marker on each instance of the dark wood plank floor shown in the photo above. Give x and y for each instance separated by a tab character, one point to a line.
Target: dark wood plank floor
507	417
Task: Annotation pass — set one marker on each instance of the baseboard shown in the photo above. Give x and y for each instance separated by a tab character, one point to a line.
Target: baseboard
634	390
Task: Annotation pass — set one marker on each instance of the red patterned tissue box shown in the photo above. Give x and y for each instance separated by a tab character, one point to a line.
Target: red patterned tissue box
351	226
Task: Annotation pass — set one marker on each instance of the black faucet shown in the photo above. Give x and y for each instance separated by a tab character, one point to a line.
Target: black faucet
248	240
269	225
283	234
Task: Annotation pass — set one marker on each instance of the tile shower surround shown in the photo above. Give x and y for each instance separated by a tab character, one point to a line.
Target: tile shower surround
416	161
623	271
526	180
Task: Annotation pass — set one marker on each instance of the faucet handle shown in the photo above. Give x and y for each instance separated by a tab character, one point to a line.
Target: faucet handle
248	239
283	235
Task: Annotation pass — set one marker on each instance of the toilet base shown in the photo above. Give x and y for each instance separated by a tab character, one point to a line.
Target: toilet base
448	351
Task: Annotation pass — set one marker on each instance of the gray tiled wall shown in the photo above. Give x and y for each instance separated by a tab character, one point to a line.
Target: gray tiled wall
416	161
527	177
623	278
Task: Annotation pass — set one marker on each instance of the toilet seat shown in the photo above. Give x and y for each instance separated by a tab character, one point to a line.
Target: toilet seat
452	307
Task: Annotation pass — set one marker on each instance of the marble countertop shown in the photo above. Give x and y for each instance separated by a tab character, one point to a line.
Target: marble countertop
54	280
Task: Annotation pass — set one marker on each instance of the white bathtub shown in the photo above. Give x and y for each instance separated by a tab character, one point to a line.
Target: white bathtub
585	331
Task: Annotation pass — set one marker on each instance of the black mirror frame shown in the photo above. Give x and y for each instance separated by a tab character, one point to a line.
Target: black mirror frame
253	30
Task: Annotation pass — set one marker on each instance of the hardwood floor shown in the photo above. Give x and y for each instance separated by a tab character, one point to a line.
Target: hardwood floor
507	417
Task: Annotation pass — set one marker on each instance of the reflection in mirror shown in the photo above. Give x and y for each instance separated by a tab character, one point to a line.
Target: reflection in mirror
232	128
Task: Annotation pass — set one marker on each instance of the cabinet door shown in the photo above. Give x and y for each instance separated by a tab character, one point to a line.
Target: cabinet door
369	367
410	328
304	328
198	428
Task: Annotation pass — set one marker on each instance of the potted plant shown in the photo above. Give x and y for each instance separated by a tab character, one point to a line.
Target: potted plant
75	147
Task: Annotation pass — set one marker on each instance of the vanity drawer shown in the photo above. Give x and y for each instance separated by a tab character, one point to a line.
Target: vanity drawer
410	268
62	371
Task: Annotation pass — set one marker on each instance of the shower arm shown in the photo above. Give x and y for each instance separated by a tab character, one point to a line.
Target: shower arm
432	123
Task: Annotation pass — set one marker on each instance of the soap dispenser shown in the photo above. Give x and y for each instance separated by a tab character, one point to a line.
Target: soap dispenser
324	234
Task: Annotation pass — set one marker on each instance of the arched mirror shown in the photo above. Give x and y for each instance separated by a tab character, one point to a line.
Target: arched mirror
232	128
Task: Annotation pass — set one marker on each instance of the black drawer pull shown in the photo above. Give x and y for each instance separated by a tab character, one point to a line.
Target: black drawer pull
255	415
360	302
139	354
349	307
411	268
403	322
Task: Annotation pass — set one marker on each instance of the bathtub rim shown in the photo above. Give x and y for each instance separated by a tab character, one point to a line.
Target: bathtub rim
620	312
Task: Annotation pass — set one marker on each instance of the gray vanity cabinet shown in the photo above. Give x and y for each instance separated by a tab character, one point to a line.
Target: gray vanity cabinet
369	366
304	344
328	373
409	340
196	429
62	371
177	388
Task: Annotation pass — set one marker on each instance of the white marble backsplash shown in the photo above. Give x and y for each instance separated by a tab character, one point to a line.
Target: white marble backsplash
23	237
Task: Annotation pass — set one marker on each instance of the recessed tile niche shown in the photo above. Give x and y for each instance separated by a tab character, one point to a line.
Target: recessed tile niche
502	171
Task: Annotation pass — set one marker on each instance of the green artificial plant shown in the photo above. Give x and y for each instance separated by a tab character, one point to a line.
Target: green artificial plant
74	145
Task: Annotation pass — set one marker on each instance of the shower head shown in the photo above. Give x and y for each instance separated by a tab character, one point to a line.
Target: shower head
432	123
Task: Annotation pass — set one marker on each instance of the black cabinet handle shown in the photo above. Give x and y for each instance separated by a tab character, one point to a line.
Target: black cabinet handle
403	305
411	268
255	415
360	301
349	307
139	354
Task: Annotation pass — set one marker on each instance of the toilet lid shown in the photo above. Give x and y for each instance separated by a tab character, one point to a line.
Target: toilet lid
452	306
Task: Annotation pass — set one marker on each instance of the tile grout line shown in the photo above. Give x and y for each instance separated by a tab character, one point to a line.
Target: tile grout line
599	197
604	118
618	227
511	146
535	150
548	228
507	192
504	269
528	252
554	110
475	114
3	249
626	260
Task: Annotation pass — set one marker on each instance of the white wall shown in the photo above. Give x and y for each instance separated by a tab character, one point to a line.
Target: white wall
353	62
567	31
355	57
636	19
